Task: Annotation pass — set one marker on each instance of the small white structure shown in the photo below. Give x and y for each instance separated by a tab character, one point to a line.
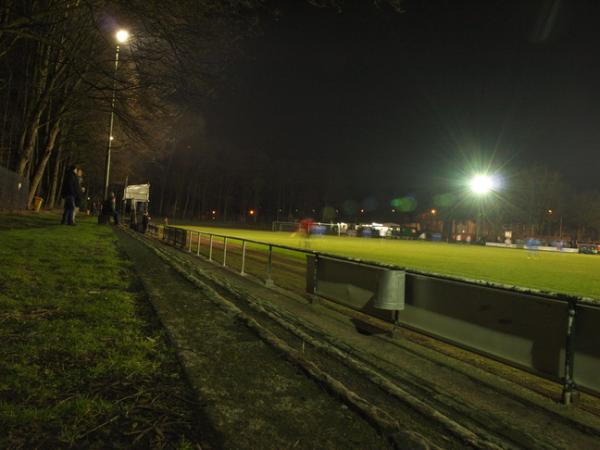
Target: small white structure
136	197
137	192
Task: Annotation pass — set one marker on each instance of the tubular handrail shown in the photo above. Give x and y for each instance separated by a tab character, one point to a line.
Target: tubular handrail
566	298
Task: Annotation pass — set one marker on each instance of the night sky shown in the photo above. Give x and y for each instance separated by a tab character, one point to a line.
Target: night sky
406	100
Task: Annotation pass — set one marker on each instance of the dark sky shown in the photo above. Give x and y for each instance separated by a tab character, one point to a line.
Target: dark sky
408	98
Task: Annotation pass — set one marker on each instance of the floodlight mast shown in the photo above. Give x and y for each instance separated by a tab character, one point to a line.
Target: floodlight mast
480	185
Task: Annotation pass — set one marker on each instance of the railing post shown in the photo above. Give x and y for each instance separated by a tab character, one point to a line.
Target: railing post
269	280
315	274
224	250
210	247
569	383
243	258
190	243
198	246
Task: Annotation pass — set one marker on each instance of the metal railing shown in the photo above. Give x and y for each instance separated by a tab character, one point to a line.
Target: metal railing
547	334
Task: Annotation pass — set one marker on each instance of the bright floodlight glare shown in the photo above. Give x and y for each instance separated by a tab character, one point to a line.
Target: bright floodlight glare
122	36
481	184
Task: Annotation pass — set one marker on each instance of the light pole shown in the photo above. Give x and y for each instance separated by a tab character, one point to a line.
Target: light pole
560	225
481	185
122	36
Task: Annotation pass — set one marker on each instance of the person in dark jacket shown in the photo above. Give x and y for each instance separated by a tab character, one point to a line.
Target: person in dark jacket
109	208
145	221
70	192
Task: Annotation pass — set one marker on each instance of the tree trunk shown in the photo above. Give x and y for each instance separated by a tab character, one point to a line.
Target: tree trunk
165	180
226	199
5	120
174	207
203	199
37	108
41	166
186	203
194	205
55	176
162	198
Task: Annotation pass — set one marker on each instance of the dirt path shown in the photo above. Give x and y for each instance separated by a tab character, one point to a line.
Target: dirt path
253	398
449	397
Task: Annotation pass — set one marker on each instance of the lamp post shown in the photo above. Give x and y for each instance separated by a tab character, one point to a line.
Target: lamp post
560	225
481	185
122	36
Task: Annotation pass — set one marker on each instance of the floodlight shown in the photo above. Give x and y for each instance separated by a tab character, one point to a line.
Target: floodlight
481	184
122	36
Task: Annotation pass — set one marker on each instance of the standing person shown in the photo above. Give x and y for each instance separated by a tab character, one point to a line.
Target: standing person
306	228
70	192
94	207
83	202
79	177
109	208
145	221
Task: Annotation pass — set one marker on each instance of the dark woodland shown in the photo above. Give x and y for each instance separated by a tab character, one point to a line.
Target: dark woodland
217	108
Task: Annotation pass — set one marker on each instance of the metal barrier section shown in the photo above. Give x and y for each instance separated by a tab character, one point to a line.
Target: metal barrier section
156	230
351	284
13	190
586	347
524	329
176	236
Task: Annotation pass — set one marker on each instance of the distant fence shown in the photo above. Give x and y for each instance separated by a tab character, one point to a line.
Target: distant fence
556	336
13	190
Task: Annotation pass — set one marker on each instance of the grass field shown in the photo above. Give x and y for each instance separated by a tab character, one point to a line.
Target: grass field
554	272
83	361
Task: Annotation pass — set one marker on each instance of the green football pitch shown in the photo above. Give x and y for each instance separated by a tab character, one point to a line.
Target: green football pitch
547	271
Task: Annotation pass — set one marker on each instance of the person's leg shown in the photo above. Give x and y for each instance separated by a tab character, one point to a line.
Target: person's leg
70	209
64	216
116	218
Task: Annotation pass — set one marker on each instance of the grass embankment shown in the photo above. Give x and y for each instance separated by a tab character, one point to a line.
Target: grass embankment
83	361
554	272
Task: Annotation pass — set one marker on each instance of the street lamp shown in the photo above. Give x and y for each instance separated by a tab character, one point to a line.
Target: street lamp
481	185
122	36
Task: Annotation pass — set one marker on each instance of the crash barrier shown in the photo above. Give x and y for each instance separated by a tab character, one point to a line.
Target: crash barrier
376	291
156	230
14	190
175	236
555	336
